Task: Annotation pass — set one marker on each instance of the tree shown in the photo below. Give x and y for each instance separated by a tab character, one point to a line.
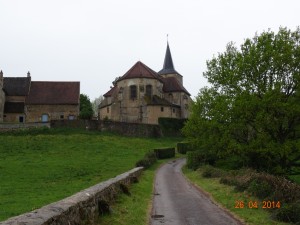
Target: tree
86	110
252	109
96	103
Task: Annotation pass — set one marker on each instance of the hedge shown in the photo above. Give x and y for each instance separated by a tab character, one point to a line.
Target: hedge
164	153
183	147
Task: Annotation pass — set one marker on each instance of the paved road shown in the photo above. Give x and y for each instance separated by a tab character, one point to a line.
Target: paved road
176	202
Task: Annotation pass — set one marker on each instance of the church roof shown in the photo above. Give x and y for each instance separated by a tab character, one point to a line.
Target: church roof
53	93
171	84
168	67
140	70
110	92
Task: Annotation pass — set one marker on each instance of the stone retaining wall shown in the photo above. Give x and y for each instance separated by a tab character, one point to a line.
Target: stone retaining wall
17	126
83	208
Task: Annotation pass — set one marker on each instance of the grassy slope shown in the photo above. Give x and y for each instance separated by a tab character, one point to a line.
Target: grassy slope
40	168
227	197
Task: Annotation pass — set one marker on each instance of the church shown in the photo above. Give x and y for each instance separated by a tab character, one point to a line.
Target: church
142	95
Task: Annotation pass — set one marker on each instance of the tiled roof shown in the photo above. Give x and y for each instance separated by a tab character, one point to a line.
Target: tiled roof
110	92
171	84
155	100
16	86
140	70
168	67
14	107
53	93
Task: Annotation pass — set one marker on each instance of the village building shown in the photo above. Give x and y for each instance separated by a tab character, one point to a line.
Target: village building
23	100
142	95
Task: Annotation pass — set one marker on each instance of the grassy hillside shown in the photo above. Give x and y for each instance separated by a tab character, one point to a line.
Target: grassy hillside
40	167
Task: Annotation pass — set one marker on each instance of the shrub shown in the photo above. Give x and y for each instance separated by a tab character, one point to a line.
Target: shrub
195	159
261	189
148	160
183	147
164	153
212	172
288	213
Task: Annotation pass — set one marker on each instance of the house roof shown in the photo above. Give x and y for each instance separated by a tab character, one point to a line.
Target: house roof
14	107
16	86
53	93
140	70
171	84
168	67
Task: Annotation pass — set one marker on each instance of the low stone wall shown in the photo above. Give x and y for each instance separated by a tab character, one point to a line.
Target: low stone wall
84	124
131	129
16	126
83	208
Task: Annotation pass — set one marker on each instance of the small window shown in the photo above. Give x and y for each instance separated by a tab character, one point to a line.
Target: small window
133	92
149	90
21	119
4	116
107	109
71	117
161	109
173	110
62	117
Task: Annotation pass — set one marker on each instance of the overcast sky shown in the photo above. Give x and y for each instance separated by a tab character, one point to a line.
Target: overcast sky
94	41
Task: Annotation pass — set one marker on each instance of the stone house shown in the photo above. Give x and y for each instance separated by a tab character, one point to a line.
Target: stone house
142	95
24	100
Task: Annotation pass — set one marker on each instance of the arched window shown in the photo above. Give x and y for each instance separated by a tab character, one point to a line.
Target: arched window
133	92
149	90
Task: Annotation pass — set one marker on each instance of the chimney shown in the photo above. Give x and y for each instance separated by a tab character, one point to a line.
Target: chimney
28	74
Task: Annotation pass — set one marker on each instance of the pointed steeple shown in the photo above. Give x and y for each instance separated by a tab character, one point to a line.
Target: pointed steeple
168	67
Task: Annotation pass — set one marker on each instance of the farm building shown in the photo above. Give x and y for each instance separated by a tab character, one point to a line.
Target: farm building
23	100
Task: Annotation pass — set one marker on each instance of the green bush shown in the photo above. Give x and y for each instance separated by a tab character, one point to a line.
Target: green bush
195	159
288	213
148	160
261	189
164	153
212	172
171	126
183	147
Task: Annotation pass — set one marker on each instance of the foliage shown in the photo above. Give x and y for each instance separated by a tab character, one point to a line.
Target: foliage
288	213
164	153
47	165
96	103
252	108
171	125
148	160
86	109
183	147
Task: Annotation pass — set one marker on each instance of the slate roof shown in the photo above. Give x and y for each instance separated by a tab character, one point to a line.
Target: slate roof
14	107
140	70
171	84
16	86
168	67
53	93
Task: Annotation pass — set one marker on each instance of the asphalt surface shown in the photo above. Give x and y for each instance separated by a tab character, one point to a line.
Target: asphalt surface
177	202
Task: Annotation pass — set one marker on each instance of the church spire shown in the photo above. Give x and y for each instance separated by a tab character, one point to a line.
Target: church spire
168	63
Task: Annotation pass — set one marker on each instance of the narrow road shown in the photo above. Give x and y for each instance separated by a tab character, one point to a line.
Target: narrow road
176	202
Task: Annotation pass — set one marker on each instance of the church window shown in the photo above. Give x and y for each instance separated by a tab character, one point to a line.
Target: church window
133	92
161	109
149	90
107	109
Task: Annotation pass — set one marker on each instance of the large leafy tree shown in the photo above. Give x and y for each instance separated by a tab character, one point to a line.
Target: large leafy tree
86	109
252	109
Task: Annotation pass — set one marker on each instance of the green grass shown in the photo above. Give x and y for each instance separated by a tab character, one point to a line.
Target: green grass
227	197
42	166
